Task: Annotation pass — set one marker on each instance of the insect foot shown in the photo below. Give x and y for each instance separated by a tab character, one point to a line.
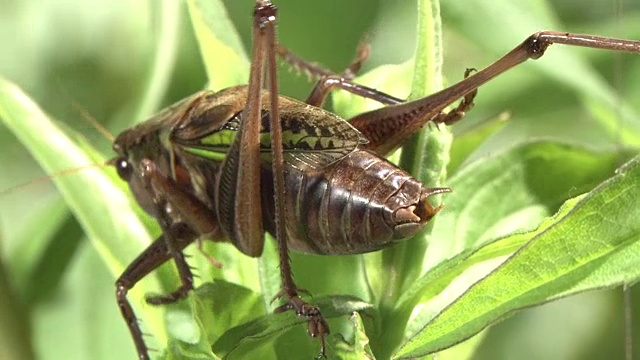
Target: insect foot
317	325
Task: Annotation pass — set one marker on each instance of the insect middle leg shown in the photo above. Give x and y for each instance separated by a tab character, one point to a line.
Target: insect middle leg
363	123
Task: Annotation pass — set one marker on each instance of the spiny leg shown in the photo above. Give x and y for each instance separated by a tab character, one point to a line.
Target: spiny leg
311	69
175	237
329	81
196	215
327	84
154	256
264	31
362	54
389	127
315	70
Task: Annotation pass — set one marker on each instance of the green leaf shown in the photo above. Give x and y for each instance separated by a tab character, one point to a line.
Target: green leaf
359	349
535	177
211	310
239	341
591	244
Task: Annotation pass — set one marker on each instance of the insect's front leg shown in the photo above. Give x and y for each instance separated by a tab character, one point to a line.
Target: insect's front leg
167	197
154	256
196	221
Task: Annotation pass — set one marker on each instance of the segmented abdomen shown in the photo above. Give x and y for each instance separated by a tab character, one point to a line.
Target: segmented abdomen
358	204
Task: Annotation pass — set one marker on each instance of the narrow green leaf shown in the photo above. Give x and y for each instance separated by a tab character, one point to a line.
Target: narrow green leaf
29	254
163	60
87	324
222	51
101	207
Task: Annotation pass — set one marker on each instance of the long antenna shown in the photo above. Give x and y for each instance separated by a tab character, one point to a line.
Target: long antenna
50	177
47	178
91	120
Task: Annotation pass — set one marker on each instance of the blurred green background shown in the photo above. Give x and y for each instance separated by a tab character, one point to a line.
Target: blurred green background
59	298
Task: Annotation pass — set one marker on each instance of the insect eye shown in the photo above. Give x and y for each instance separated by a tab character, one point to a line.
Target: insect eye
123	167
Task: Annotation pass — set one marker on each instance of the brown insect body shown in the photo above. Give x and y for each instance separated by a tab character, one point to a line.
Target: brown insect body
361	203
349	202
